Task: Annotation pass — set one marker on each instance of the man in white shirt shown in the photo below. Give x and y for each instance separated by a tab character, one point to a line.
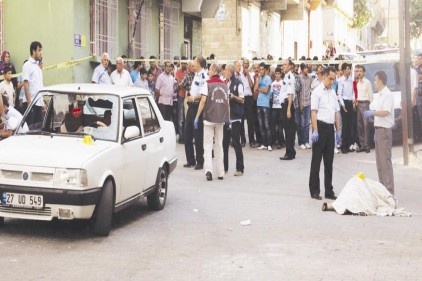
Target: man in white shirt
13	119
364	97
100	74
346	97
324	113
33	83
193	98
121	76
247	79
383	111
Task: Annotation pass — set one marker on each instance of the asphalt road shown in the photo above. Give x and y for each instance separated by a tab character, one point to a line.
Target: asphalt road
199	236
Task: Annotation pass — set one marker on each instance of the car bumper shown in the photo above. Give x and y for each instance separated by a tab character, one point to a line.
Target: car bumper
173	164
58	203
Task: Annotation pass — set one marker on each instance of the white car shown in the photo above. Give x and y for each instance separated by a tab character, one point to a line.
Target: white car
96	150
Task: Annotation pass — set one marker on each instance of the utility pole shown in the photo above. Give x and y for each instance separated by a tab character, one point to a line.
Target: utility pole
406	113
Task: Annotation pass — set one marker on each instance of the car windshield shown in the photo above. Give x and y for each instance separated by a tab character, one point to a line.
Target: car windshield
392	71
76	114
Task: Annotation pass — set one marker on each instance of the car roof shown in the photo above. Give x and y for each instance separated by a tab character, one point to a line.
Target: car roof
97	89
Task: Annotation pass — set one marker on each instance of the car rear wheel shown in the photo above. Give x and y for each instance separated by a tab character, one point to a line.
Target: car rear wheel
157	200
101	223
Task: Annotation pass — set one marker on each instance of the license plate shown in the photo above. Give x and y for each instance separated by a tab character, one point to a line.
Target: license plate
22	200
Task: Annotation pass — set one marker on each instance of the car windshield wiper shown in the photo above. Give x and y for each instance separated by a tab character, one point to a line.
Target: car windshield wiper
79	134
37	132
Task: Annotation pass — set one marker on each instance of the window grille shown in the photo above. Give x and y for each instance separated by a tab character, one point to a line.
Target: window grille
169	30
140	27
104	20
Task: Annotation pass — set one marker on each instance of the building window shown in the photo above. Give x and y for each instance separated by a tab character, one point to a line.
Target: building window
169	30
140	28
104	19
1	26
254	18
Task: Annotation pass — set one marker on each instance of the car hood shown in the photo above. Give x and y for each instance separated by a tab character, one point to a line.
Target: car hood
49	151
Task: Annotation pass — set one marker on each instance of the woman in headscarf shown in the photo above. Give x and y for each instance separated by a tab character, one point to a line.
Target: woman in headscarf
5	63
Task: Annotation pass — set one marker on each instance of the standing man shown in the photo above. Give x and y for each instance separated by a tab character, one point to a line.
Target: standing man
154	69
324	113
263	86
181	93
193	99
365	96
121	76
215	105
246	77
33	82
289	110
304	109
383	111
100	75
417	96
164	89
346	97
236	96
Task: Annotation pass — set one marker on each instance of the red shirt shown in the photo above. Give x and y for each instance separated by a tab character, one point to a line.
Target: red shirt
179	77
355	89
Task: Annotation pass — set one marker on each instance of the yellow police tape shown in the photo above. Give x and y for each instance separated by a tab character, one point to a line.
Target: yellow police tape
56	66
226	61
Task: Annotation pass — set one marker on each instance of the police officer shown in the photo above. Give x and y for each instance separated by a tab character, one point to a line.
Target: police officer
193	98
324	113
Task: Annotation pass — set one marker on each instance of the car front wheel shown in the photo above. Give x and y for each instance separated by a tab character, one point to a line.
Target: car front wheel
104	211
157	199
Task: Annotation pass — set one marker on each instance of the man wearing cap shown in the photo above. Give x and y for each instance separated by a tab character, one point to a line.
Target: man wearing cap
193	99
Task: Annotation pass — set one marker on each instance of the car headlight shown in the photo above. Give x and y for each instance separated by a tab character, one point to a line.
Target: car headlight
70	178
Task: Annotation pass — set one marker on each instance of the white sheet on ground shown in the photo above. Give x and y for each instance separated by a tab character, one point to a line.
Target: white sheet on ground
369	197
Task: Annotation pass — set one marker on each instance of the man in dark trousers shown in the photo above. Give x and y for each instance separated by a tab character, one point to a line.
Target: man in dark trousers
193	98
324	113
233	129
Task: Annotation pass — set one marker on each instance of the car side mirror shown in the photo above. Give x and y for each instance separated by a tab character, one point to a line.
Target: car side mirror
131	132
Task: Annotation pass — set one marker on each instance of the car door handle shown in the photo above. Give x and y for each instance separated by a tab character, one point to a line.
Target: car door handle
144	146
161	139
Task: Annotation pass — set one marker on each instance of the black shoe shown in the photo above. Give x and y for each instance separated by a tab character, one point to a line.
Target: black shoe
181	141
344	151
220	178
199	167
252	145
188	165
332	197
285	157
367	150
316	196
278	146
209	176
243	144
360	150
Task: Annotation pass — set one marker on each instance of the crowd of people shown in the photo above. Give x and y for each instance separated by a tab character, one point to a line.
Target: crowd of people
214	106
268	108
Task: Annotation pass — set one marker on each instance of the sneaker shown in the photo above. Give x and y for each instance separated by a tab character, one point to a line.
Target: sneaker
302	146
269	148
308	146
238	174
262	147
336	151
352	147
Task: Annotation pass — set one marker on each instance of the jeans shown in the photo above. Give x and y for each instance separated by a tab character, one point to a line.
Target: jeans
277	126
264	125
234	135
181	117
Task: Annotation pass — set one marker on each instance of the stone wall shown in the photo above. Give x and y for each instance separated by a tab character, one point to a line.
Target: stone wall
221	34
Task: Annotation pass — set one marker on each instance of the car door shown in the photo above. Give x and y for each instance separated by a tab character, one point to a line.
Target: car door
153	135
134	153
